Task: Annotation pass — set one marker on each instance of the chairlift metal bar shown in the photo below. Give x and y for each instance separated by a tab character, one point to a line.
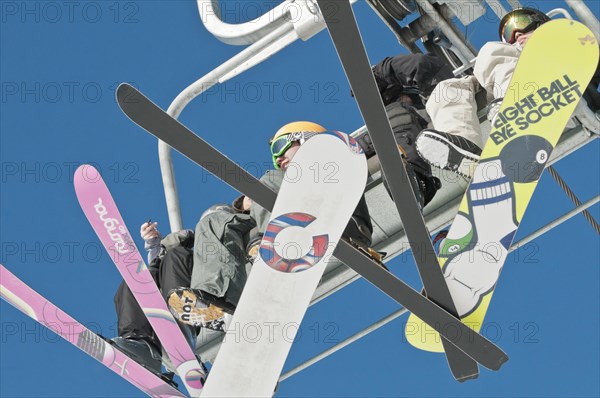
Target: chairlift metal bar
556	222
355	337
514	3
563	184
257	52
393	25
446	28
497	7
585	15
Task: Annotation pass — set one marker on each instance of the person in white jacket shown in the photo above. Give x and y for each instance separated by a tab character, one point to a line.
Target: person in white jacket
455	142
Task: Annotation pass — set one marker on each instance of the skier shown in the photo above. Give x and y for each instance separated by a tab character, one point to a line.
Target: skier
135	334
226	244
404	81
170	263
455	142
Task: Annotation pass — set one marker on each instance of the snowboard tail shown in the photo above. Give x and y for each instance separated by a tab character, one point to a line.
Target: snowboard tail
553	71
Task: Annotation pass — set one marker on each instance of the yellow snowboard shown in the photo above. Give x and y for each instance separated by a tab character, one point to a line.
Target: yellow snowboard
553	71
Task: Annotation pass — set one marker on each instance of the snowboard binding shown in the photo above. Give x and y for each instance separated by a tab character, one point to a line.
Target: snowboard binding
369	252
200	309
143	353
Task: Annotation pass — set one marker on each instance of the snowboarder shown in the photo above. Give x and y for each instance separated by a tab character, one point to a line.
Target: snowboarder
135	334
227	243
170	263
455	142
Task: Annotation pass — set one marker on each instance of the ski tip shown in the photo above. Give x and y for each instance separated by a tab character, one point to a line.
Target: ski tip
123	91
501	361
84	174
462	379
495	365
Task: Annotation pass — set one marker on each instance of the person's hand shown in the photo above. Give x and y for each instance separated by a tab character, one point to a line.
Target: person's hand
149	231
247	202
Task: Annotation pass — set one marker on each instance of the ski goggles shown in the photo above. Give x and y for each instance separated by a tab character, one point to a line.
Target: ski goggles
280	146
520	23
283	143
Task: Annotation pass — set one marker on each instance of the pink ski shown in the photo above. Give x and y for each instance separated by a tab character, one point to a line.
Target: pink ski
32	304
102	213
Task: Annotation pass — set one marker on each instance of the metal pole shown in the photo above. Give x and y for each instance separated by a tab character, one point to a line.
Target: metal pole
585	15
277	39
497	7
445	27
563	184
344	343
555	223
514	3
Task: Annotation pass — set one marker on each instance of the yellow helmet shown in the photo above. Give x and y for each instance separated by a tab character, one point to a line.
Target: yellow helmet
288	134
298	127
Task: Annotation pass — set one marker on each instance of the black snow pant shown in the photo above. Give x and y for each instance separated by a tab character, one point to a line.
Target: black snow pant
173	271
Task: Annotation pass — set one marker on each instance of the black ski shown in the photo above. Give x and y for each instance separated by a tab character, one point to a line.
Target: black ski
157	122
350	48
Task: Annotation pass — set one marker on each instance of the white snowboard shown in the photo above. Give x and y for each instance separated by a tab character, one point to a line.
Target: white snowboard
319	193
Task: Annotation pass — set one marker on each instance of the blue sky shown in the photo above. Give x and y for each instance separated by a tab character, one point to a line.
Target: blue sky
60	65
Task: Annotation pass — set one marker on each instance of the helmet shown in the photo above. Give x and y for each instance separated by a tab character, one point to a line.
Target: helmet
520	20
298	127
288	134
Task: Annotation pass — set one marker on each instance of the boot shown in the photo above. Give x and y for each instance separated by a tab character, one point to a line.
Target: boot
140	350
198	308
448	152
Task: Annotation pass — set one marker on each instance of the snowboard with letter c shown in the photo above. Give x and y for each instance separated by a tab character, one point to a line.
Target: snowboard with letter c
553	71
321	188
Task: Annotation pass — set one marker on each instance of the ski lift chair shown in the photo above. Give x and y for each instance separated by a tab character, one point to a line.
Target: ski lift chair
431	20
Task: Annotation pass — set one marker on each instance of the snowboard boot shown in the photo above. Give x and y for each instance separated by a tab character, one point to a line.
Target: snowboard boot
140	350
424	187
448	152
197	308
